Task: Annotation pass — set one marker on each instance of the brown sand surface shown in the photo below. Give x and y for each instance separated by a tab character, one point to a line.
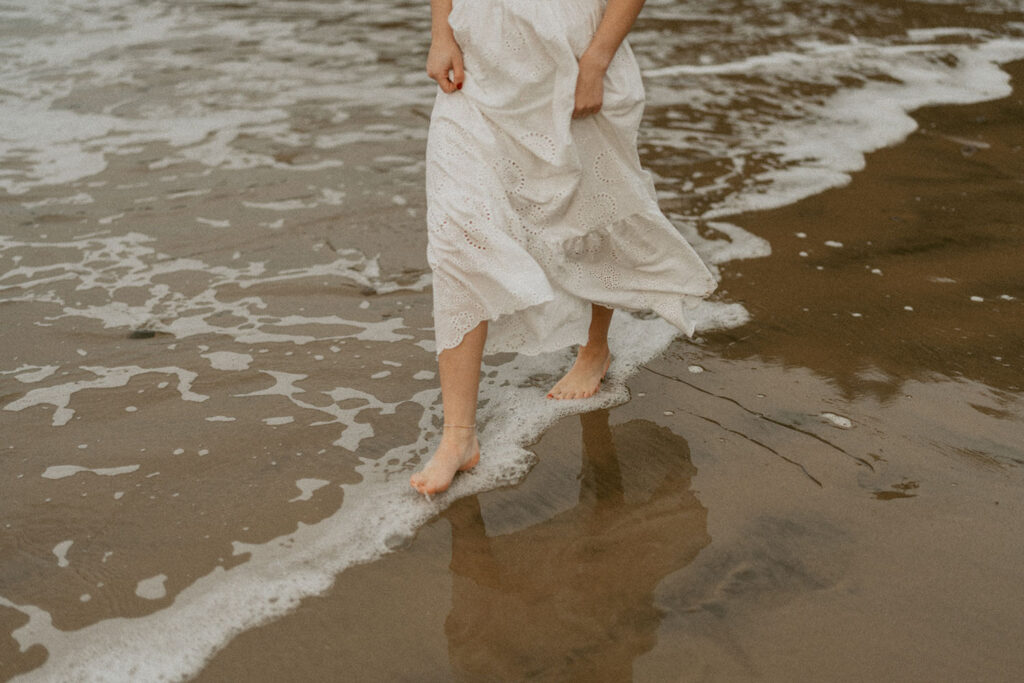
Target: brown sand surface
210	470
726	523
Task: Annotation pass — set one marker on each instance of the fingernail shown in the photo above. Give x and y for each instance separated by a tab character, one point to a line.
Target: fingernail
459	86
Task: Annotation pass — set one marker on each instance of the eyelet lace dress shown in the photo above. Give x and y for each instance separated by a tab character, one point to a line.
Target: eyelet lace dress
531	214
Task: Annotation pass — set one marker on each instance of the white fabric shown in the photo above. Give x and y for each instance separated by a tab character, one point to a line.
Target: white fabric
532	215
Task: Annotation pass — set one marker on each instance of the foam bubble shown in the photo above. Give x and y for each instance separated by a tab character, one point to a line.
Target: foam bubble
61	551
228	360
152	588
213	222
62	471
307	487
34	373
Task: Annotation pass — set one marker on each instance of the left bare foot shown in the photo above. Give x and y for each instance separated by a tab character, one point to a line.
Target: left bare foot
458	451
584	378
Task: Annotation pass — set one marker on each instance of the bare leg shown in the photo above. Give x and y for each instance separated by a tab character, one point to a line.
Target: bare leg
459	449
592	360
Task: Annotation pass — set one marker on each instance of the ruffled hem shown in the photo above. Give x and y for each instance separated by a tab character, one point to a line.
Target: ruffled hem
639	263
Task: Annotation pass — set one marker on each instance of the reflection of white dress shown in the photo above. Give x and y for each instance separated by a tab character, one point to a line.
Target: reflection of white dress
532	215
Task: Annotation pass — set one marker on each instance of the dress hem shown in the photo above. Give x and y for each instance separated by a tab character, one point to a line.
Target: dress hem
686	302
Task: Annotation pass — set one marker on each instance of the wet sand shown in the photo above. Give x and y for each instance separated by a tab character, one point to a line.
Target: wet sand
212	346
727	523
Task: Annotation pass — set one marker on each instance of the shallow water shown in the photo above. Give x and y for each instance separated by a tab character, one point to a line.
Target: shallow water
217	367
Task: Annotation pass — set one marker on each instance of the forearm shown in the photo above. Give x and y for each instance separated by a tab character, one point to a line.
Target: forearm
619	17
439	11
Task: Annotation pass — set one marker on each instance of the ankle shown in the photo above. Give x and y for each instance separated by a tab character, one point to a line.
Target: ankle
458	435
599	348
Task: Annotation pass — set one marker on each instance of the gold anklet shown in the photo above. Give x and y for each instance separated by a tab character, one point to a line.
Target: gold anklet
462	426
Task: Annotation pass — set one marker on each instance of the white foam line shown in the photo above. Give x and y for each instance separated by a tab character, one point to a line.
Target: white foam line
29	374
352	432
378	515
920	35
59	395
812	55
80	198
55	146
828	143
114	262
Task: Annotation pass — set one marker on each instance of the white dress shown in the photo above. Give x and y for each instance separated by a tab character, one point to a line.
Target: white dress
531	214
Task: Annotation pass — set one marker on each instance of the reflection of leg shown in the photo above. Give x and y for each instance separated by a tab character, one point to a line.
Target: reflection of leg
460	382
475	626
601	483
471	548
592	360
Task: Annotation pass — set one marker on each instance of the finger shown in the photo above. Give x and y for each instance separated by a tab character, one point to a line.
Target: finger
458	70
446	85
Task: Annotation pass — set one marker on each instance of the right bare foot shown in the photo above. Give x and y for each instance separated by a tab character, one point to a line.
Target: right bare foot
584	377
458	451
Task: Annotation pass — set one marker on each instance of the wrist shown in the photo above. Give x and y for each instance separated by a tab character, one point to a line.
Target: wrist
441	32
597	56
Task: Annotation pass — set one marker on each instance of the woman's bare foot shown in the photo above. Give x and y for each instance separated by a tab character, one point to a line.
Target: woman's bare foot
584	378
458	451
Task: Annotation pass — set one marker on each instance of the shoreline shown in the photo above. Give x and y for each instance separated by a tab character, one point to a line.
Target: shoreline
748	407
823	482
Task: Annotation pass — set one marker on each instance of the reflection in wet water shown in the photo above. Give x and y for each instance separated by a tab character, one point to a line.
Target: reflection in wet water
572	597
